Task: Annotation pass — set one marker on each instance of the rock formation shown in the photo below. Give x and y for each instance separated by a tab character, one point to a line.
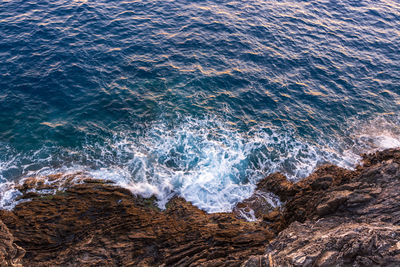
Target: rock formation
338	217
10	253
333	217
96	223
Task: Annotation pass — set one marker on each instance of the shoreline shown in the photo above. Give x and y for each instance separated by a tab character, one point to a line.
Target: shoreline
321	219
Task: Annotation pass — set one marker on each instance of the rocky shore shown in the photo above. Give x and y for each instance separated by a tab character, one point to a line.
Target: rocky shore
334	217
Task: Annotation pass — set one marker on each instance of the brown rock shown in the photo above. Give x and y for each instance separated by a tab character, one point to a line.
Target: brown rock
333	217
355	221
10	253
97	223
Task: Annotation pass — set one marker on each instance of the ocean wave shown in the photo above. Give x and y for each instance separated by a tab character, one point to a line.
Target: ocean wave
206	161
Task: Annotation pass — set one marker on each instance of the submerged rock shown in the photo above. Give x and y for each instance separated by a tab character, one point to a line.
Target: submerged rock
333	217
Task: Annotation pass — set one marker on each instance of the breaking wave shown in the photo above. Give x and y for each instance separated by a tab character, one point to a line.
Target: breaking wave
206	161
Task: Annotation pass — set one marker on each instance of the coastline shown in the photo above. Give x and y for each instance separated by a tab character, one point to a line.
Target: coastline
334	216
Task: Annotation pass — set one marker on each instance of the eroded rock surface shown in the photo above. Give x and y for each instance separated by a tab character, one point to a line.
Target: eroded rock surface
335	217
98	224
10	253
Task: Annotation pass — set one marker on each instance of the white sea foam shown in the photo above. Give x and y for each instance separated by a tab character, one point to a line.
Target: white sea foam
207	162
379	133
8	194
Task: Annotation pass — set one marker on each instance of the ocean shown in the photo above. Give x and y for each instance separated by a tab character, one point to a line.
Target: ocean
199	99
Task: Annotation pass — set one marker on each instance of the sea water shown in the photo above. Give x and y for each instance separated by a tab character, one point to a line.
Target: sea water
199	99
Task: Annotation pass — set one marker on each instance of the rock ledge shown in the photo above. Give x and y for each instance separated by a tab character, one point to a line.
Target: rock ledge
333	217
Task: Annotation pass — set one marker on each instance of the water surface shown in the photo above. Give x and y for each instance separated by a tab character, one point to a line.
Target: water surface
196	98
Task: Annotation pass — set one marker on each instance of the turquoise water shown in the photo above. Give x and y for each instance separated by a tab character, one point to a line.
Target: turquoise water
196	98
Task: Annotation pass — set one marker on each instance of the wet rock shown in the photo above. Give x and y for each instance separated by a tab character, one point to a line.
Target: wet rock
278	184
334	217
256	206
97	223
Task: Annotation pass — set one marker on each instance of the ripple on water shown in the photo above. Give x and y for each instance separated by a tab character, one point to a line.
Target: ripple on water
197	99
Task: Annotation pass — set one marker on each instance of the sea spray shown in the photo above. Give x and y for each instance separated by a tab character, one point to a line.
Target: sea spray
206	161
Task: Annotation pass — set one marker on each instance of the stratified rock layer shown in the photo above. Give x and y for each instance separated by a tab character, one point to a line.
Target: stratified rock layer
337	217
95	223
333	217
10	253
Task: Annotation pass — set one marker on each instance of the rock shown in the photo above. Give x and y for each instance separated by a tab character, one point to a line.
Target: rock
355	221
335	241
279	185
10	253
334	217
256	206
332	202
96	223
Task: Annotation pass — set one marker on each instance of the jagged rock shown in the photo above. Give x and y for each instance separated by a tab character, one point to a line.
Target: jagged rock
10	253
334	217
333	242
260	203
95	223
355	221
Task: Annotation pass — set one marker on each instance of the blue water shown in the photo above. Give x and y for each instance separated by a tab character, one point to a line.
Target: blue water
195	98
